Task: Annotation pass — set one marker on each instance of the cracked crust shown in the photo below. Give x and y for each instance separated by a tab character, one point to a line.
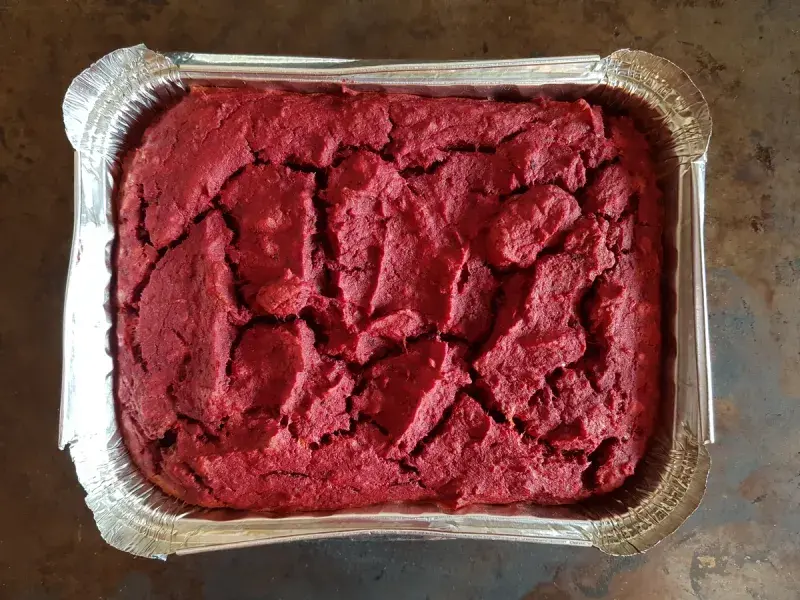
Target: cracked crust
330	301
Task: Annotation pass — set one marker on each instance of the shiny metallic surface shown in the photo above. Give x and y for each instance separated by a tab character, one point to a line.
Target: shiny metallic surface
107	101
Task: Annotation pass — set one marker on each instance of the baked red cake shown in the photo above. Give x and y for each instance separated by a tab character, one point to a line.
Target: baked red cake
330	301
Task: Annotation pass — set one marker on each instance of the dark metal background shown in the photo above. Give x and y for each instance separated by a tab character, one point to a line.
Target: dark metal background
744	55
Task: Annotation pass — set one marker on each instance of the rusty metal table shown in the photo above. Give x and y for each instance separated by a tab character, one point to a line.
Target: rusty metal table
744	542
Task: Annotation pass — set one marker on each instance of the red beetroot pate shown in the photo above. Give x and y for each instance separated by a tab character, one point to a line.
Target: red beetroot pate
330	301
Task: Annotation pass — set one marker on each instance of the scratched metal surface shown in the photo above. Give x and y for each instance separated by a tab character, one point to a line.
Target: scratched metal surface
742	543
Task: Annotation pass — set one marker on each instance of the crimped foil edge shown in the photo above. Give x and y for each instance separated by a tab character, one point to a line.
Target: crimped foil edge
659	82
103	102
681	467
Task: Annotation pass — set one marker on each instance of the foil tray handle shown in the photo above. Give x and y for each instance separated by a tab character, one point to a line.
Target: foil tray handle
102	104
663	495
658	82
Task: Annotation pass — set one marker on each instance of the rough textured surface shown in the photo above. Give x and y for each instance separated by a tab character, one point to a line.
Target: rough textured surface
315	307
741	544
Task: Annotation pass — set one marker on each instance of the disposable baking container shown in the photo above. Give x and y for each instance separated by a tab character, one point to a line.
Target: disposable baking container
106	103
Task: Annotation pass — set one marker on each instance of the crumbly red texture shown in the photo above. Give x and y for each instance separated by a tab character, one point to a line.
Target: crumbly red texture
329	301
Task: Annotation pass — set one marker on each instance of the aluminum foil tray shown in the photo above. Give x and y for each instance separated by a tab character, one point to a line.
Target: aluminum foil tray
106	102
